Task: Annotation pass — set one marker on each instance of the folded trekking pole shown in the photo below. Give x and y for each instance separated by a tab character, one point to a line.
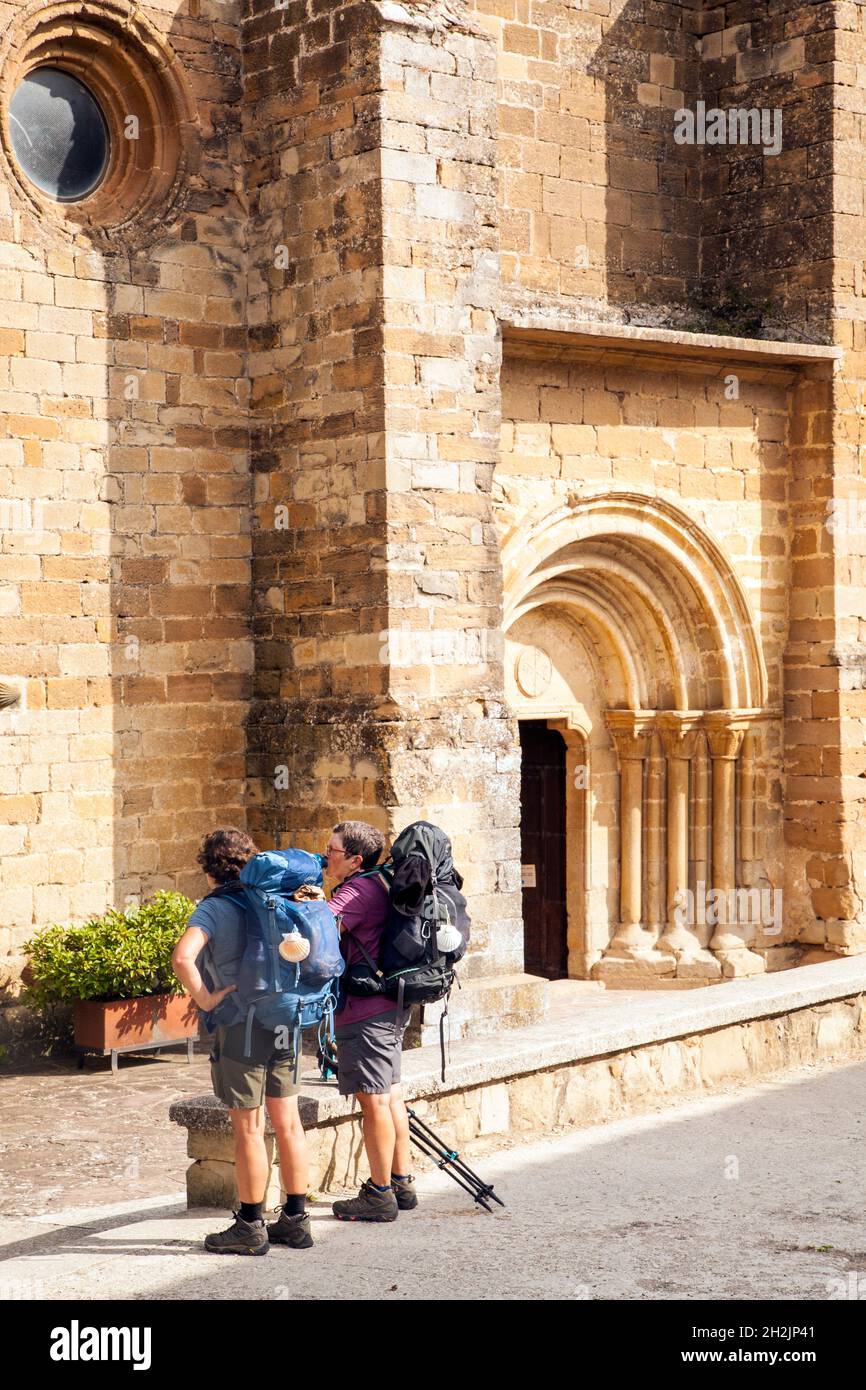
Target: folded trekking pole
450	1162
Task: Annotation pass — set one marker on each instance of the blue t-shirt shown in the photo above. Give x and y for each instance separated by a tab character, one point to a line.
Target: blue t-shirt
224	923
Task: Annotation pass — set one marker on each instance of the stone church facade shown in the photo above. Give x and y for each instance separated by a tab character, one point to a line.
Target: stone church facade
411	422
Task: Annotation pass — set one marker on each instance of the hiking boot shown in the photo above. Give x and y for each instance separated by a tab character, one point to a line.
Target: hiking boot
369	1205
291	1230
404	1191
243	1238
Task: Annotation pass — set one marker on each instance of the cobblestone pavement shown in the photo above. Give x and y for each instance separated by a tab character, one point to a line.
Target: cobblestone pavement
756	1193
78	1138
73	1137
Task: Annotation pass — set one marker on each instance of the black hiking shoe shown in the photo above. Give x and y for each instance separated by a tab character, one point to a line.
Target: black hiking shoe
404	1191
369	1205
243	1238
291	1230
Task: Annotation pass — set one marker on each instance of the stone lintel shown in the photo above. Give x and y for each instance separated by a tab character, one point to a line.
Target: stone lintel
552	334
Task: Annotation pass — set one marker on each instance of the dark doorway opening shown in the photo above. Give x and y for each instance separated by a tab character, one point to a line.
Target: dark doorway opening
542	841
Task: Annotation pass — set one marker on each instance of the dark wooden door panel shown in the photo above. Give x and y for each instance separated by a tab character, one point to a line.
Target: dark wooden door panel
542	839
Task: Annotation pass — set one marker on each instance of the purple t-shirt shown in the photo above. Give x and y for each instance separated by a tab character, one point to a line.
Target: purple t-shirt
363	905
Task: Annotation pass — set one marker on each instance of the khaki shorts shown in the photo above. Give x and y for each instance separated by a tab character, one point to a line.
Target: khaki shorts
369	1053
242	1082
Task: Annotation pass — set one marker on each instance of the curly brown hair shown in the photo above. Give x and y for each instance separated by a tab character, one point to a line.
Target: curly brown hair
224	852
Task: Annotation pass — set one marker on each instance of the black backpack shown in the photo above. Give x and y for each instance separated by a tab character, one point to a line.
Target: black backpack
424	902
425	898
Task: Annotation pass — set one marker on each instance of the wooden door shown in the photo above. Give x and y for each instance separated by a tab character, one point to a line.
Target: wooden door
542	840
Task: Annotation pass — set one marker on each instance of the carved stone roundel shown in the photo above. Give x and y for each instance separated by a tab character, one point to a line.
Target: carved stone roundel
533	670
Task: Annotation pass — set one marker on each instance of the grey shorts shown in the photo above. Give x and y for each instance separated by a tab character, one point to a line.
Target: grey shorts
369	1053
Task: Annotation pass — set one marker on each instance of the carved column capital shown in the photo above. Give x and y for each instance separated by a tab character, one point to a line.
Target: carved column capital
631	731
678	734
725	731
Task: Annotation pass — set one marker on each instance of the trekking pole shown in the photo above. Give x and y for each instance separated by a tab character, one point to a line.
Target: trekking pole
447	1161
441	1162
450	1162
457	1161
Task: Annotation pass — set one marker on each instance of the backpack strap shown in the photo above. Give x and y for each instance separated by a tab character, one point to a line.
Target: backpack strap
212	968
248	1034
365	953
385	871
296	1048
233	889
442	1017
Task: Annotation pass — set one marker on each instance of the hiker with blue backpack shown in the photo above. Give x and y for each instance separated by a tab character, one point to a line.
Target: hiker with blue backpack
261	958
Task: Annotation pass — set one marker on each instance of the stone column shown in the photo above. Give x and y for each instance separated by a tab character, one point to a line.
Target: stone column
746	807
724	737
680	935
655	791
701	834
632	952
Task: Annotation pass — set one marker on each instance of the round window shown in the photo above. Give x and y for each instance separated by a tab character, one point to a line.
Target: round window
59	134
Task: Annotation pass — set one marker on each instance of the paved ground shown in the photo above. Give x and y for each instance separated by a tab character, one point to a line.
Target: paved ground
754	1194
77	1138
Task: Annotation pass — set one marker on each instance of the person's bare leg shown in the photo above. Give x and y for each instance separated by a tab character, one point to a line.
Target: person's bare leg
379	1135
246	1237
291	1142
251	1157
402	1163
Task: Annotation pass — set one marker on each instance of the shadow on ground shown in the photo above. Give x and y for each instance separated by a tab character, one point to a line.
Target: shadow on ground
749	1195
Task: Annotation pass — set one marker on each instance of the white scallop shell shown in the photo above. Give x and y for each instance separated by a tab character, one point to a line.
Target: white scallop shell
448	938
294	946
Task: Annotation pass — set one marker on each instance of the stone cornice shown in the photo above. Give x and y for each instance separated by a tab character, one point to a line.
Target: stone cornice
545	334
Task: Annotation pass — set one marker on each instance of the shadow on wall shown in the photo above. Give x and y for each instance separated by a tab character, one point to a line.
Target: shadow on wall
718	237
179	487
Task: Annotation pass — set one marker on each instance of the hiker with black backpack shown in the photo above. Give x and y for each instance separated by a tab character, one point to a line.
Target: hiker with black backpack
404	926
261	961
369	1031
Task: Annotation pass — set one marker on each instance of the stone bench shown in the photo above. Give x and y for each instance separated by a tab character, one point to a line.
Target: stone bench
596	1057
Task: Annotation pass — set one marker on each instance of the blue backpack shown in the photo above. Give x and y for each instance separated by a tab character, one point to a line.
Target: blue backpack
281	994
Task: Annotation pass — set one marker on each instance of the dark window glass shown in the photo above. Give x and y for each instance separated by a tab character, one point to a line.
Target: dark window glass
59	134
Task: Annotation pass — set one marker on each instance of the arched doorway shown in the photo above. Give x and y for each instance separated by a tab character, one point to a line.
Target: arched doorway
626	626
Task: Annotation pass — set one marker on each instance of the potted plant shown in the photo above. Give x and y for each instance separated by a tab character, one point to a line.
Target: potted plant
116	970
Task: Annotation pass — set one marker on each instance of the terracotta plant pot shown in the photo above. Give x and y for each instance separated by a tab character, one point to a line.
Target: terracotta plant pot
154	1018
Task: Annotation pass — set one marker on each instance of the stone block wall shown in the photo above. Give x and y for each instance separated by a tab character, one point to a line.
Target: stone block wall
249	561
376	415
600	209
124	488
766	221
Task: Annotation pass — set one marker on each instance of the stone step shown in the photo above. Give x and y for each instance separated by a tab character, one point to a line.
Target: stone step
482	1006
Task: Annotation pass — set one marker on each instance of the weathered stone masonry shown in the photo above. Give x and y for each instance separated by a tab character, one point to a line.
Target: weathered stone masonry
366	257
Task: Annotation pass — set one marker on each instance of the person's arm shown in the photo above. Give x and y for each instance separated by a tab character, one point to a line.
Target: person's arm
345	907
350	908
183	960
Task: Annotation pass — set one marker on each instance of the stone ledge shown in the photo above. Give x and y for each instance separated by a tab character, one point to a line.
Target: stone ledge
607	1028
550	330
586	1091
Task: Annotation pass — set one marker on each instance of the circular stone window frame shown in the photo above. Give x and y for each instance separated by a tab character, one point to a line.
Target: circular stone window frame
132	72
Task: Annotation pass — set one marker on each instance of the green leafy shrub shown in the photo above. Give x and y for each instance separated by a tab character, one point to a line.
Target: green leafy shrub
119	956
